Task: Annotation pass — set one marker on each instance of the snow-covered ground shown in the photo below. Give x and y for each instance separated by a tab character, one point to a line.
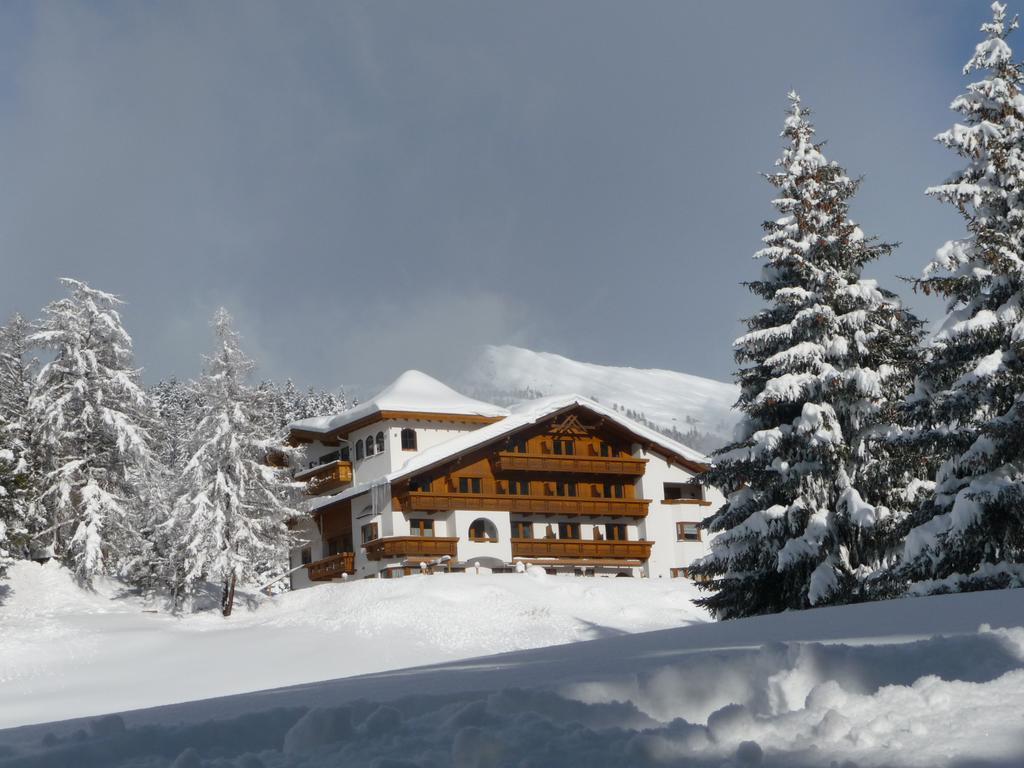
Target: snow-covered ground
936	681
668	399
68	653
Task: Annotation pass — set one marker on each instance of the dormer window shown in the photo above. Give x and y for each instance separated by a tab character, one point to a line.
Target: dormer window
408	439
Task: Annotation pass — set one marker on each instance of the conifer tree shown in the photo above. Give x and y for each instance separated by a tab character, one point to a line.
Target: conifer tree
231	507
969	402
89	432
820	365
18	513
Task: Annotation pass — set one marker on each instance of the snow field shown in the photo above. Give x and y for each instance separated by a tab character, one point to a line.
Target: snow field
66	653
936	681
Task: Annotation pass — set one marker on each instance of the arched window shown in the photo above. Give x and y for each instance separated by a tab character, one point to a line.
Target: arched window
369	445
359	450
380	442
483	530
408	439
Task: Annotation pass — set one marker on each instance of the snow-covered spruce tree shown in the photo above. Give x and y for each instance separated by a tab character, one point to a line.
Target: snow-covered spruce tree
88	420
231	507
819	366
969	401
18	511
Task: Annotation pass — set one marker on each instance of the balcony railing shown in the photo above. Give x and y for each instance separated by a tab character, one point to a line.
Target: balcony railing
429	501
411	546
582	549
327	477
509	461
332	567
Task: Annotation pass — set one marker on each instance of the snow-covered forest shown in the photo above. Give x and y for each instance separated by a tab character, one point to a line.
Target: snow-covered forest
173	489
876	459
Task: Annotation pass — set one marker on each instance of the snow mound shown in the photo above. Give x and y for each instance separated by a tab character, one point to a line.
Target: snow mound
66	652
812	688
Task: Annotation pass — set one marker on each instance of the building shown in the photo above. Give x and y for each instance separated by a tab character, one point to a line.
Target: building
422	477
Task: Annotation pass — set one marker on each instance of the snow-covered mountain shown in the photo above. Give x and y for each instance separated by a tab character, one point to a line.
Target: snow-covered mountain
692	409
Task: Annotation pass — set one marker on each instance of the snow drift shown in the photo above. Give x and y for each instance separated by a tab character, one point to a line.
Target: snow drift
935	681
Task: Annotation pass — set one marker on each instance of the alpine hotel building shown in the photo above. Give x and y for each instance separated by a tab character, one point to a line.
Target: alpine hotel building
424	478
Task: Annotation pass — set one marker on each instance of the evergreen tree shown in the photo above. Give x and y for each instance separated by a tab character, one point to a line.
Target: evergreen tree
231	507
177	407
809	514
969	402
88	419
18	513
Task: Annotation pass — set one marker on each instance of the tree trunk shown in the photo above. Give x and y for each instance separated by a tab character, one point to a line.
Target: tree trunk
228	599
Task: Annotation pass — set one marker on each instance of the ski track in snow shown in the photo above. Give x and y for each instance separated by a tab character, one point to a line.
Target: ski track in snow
935	681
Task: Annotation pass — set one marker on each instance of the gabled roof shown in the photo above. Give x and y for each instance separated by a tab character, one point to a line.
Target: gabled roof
414	392
521	416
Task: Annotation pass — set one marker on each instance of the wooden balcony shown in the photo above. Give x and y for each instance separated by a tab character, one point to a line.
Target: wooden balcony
327	477
428	501
508	461
412	546
582	549
332	567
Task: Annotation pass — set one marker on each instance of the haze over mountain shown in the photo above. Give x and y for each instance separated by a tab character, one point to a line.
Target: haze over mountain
692	409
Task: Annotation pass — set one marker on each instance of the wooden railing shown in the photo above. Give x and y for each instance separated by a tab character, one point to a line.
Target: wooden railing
582	548
429	501
332	567
326	478
509	461
411	546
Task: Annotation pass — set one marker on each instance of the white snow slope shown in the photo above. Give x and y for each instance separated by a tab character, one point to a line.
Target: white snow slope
668	399
935	681
68	653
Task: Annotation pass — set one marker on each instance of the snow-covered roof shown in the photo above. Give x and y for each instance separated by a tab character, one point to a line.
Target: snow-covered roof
412	392
522	415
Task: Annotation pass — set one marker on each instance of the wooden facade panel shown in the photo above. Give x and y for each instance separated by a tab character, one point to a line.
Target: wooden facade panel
420	501
582	548
412	546
507	461
332	567
328	478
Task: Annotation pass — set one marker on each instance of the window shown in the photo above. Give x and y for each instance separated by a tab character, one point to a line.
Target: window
613	490
469	485
687	532
522	529
681	491
333	546
408	439
369	446
565	489
421	527
359	450
519	487
380	442
517	445
327	458
307	555
483	530
368	532
568	530
420	484
607	451
616	532
343	454
563	447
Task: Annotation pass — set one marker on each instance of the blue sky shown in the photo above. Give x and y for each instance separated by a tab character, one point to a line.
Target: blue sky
370	187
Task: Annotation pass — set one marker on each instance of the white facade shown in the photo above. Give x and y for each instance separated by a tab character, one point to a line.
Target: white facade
463	425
